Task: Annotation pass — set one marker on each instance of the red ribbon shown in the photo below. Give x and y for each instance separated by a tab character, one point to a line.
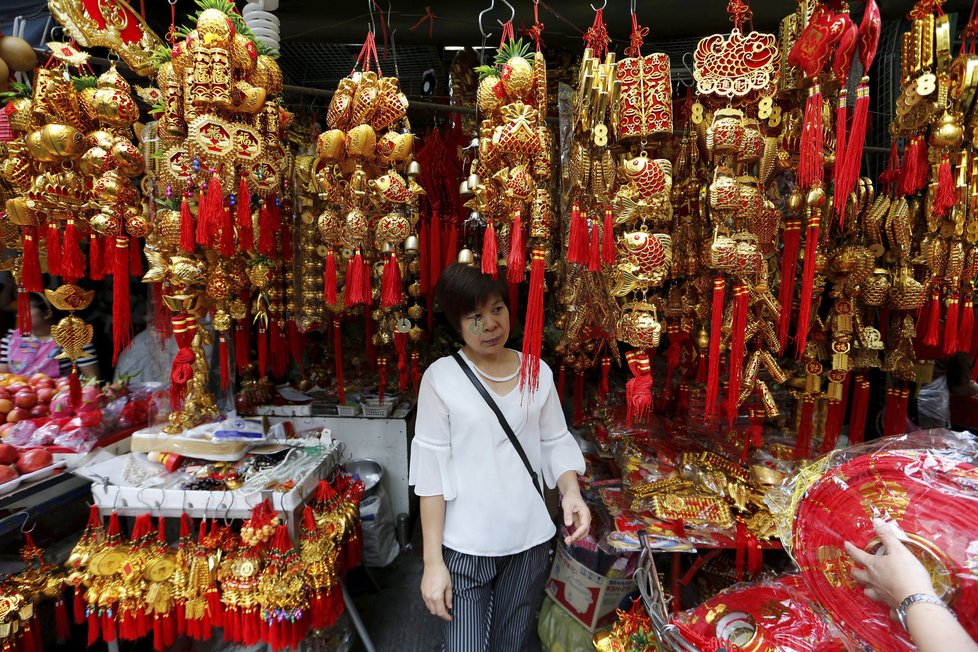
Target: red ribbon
596	36
430	17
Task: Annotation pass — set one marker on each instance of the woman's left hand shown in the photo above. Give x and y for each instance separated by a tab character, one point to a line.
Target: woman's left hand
576	516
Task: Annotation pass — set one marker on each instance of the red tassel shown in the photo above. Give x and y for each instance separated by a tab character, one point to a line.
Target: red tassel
577	241
638	389
803	442
391	293
52	243
810	162
561	381
262	351
225	363
72	262
329	279
366	279
490	252
242	348
533	324
434	252
579	398
854	147
30	270
839	199
944	197
246	229
594	257
951	326
61	625
266	231
966	329
226	231
516	263
93	626
74	388
789	269
78	606
353	285
891	176
603	384
96	258
807	285
713	357
158	643
608	246
932	321
135	259
833	424
736	359
187	242
24	322
211	214
121	315
338	362
108	626
860	409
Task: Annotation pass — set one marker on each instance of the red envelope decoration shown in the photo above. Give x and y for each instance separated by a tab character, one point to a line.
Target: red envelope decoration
813	48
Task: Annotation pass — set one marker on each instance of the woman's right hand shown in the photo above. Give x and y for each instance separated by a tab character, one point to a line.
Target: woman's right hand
436	589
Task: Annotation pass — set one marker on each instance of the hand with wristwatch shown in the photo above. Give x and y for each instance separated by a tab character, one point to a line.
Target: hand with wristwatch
895	577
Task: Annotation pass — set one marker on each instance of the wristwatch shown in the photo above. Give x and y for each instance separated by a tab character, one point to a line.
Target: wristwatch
901	611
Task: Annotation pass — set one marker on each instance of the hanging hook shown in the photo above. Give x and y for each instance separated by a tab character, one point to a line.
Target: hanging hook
632	5
370	8
390	8
482	13
512	12
23	526
593	8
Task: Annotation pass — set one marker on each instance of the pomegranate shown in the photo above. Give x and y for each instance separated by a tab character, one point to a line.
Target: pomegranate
34	460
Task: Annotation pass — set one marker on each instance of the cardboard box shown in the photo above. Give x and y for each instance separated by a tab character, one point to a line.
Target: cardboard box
591	598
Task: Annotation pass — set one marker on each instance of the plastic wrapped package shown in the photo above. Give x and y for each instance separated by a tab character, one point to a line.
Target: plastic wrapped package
934	404
136	409
772	615
926	483
559	632
22	433
80	439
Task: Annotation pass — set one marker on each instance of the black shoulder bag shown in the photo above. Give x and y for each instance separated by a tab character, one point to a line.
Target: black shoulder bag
502	420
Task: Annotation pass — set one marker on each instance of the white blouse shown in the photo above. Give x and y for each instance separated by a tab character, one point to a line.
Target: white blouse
462	453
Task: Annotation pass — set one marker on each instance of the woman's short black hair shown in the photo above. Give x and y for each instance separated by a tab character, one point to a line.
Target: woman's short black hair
462	289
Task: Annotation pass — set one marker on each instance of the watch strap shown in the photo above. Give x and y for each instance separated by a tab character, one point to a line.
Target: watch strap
914	599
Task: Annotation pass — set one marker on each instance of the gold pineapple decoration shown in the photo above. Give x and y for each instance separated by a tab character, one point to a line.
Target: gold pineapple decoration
487	95
515	72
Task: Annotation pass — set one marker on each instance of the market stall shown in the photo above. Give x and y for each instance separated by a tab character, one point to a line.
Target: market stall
749	258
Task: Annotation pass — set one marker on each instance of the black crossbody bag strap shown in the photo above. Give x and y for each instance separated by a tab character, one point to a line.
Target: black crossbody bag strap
502	421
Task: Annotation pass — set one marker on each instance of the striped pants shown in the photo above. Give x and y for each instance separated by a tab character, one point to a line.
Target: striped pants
494	599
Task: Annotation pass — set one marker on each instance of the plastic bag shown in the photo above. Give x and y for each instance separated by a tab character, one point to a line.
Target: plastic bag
80	439
934	404
20	435
925	483
771	614
46	434
379	541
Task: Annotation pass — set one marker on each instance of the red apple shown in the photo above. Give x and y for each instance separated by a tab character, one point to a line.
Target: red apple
40	411
25	399
4	394
8	473
17	415
8	454
38	376
34	460
45	394
13	388
4	427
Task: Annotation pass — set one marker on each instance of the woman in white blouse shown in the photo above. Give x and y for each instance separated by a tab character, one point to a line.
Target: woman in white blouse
486	528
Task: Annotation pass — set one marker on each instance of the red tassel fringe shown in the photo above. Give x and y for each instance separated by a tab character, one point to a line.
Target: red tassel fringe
789	269
391	293
246	228
52	243
608	245
945	195
807	286
577	241
951	326
594	256
72	262
803	442
516	263
854	146
713	357
490	252
966	328
186	227
533	329
810	160
860	410
932	322
329	279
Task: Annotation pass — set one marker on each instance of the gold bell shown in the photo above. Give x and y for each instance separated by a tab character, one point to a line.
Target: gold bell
473	180
463	189
466	257
413	170
411	244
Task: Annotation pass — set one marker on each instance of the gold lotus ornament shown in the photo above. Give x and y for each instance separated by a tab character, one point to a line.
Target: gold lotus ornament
71	334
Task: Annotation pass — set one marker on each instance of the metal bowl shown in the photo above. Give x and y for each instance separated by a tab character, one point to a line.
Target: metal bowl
371	473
